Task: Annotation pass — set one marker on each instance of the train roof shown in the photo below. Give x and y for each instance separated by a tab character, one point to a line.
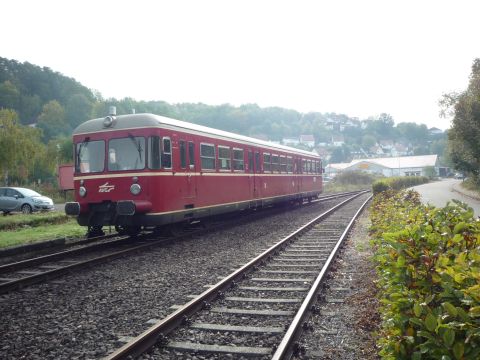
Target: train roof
133	121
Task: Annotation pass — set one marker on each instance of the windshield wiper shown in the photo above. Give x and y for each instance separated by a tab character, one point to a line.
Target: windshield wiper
79	152
138	146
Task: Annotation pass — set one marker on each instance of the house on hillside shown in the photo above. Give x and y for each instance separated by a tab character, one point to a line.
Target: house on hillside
338	140
290	141
307	140
435	131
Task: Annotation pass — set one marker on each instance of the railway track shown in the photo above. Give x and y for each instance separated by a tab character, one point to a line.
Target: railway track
21	274
260	309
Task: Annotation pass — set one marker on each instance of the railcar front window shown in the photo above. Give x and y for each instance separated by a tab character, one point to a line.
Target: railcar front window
126	154
90	156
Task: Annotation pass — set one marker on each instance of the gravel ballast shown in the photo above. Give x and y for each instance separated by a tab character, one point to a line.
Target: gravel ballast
88	315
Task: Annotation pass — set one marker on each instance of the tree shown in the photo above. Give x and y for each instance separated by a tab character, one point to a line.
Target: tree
52	120
382	126
20	147
368	141
340	155
79	109
9	96
463	142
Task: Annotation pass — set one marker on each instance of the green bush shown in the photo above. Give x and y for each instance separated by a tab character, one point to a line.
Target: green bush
428	263
398	183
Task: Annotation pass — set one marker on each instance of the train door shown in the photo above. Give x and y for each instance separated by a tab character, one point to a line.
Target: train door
257	177
187	168
298	171
251	174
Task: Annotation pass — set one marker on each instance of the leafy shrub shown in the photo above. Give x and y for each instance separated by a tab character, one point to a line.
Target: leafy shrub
355	177
398	183
380	186
428	262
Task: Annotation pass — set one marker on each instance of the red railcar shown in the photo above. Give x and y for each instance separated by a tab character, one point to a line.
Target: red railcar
143	170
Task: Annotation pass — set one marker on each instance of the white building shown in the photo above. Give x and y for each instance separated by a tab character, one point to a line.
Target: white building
391	166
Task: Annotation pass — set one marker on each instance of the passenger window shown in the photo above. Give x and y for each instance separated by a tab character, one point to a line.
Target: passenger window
167	153
257	162
250	161
289	165
238	160
154	152
183	154
275	165
191	153
2	192
283	164
266	162
304	166
207	156
224	158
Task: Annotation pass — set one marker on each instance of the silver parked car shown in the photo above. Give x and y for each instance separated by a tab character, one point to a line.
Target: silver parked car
24	200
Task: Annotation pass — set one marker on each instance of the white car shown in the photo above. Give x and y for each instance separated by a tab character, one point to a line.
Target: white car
24	200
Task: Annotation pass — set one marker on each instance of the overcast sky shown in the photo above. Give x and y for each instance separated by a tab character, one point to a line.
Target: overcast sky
356	57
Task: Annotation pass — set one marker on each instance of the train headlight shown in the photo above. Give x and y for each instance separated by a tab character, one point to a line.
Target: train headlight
135	189
82	191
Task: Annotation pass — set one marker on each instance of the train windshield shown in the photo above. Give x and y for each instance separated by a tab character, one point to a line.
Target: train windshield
90	156
126	154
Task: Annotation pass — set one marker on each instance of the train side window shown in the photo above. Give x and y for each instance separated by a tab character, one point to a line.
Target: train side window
266	162
154	152
283	163
191	154
257	162
167	153
289	164
250	161
275	165
238	160
207	156
304	166
224	158
183	154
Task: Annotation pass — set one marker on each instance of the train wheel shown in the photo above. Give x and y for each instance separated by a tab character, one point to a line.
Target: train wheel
127	230
94	231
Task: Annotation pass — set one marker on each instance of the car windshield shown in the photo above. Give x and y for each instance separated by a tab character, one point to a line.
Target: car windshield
126	153
28	193
90	156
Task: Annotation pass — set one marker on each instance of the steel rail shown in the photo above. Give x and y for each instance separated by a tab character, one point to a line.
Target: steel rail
148	338
59	255
20	283
286	349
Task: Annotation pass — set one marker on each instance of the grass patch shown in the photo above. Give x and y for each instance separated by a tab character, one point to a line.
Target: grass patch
28	235
470	184
18	221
